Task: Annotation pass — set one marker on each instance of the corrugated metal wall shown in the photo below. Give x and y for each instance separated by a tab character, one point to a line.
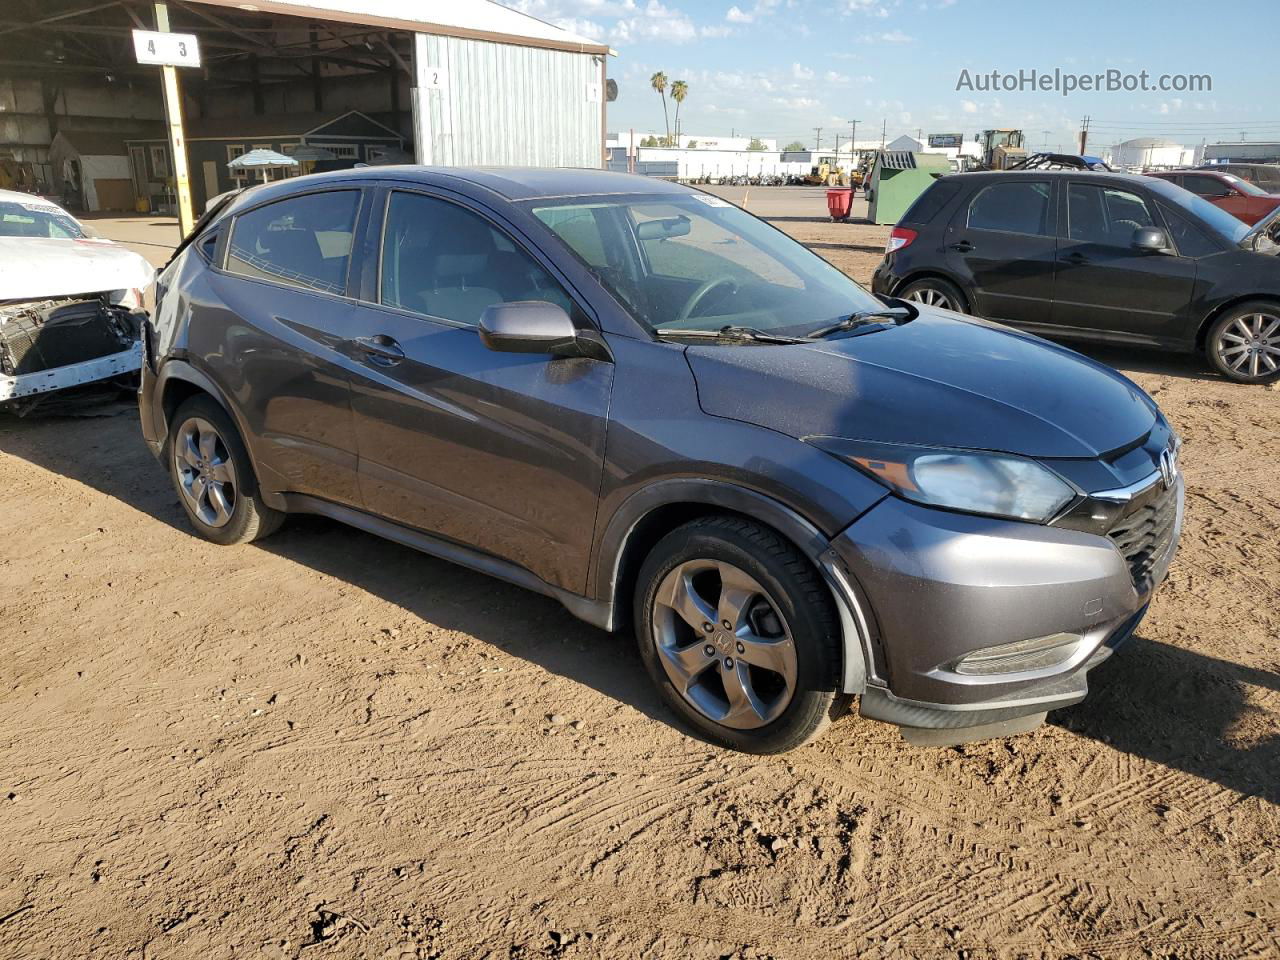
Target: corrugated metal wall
507	104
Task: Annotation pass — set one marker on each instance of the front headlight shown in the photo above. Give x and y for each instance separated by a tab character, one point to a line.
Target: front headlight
992	484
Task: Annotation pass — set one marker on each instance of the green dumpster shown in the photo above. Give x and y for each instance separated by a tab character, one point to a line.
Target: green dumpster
898	178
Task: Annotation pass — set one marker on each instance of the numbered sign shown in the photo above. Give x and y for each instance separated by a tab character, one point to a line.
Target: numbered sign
432	78
166	49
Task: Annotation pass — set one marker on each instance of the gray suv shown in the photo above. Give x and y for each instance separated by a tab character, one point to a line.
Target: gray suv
640	400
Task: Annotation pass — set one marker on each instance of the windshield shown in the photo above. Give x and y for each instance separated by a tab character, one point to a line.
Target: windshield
20	219
1217	219
1244	186
696	262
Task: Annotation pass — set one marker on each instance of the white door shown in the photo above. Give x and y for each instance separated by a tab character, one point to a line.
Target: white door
210	181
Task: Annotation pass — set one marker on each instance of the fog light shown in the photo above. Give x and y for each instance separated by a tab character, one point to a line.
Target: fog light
1034	654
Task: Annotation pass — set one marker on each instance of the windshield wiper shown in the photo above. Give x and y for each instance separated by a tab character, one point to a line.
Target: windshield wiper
859	319
731	332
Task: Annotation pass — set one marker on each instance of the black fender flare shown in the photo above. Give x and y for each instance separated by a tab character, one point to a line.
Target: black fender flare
807	537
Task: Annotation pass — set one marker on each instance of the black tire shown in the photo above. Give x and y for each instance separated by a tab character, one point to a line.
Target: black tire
944	294
1237	332
248	518
800	597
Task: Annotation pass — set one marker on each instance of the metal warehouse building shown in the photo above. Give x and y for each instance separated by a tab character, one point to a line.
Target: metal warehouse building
456	82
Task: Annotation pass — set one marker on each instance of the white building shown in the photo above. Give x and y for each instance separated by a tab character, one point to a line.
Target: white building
631	139
1143	152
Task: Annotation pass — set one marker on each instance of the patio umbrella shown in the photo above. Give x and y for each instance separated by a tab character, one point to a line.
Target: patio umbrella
262	160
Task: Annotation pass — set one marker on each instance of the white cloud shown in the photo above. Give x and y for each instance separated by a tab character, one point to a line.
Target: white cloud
735	15
801	72
837	78
889	36
968	106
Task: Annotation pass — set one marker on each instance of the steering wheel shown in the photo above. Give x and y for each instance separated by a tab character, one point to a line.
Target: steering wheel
701	294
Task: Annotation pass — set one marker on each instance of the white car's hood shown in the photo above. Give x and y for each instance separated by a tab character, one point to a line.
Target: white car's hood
36	267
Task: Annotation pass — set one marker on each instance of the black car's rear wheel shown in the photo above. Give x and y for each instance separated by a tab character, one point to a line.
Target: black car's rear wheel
740	635
935	292
213	476
1244	343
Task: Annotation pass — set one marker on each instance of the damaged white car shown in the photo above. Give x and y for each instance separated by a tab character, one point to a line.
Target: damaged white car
70	303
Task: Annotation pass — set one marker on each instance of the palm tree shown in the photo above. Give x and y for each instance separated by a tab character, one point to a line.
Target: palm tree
679	90
659	82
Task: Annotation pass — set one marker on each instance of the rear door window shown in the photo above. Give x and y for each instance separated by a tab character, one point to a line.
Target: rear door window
1012	206
300	241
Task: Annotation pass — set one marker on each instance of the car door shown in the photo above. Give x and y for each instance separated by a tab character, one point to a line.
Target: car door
1214	190
501	452
271	335
1002	246
1104	286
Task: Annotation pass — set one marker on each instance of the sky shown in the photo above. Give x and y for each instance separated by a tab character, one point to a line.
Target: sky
780	68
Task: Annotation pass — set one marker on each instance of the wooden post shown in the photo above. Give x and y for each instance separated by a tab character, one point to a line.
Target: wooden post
177	139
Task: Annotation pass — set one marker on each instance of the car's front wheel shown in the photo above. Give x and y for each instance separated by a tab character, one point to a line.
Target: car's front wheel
213	476
1244	343
740	635
935	292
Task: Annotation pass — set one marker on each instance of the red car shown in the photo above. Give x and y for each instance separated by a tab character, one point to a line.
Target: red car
1240	198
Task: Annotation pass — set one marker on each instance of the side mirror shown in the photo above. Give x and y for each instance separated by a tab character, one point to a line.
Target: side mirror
530	326
1150	240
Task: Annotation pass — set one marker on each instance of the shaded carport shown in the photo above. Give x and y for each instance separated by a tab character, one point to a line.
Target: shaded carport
464	82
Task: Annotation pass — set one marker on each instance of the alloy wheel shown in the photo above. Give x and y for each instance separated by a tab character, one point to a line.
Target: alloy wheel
1250	345
206	474
723	643
931	298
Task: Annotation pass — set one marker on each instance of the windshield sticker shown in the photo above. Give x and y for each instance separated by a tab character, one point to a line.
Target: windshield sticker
711	201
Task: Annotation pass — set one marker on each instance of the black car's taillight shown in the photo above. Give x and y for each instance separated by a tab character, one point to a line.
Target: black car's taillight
900	237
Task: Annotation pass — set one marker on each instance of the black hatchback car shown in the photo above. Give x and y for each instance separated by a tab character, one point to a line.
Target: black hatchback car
1105	257
645	402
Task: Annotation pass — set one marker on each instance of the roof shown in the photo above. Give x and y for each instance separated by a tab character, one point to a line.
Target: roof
92	143
511	183
30	199
469	19
286	126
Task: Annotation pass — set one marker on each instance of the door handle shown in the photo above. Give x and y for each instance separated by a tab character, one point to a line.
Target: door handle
964	246
382	350
1076	258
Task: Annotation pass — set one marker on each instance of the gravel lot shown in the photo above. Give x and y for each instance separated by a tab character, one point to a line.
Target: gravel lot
328	746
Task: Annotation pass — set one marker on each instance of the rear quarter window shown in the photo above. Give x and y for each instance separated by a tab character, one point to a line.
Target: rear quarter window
929	203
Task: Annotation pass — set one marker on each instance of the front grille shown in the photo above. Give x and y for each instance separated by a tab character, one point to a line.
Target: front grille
1145	531
42	336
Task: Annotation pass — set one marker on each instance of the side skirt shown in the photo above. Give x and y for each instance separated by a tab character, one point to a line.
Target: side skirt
595	612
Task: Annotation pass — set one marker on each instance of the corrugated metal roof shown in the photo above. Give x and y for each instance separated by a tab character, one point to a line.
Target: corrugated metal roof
472	19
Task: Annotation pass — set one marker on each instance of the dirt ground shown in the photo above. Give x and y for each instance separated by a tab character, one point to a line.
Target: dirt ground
328	746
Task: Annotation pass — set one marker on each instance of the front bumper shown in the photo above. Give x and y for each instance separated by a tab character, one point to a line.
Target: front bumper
71	374
936	586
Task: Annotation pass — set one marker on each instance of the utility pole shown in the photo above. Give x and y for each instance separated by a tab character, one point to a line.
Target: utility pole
1046	139
853	145
177	141
884	131
817	140
837	149
1084	134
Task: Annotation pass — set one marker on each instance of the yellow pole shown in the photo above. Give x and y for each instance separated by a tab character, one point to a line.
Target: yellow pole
177	140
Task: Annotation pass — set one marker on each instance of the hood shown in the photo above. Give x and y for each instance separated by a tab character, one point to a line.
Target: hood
939	380
36	267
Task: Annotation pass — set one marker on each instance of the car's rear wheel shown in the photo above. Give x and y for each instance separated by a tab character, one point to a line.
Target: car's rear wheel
740	635
213	476
1244	343
935	292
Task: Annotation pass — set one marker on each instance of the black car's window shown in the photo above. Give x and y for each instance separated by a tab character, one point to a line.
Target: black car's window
1208	215
1190	240
1014	206
442	260
1106	215
927	205
1205	186
302	241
